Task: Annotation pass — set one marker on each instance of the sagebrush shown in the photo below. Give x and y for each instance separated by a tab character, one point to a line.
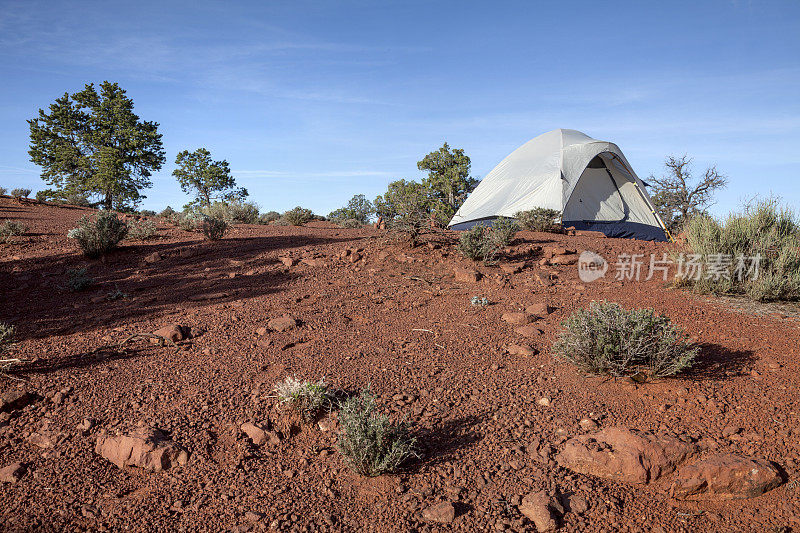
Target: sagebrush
11	228
269	216
213	228
351	223
308	398
539	219
369	441
78	280
141	229
503	231
758	248
7	333
607	339
477	243
298	216
99	235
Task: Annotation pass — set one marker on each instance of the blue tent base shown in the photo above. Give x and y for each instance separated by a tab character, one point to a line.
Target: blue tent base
621	230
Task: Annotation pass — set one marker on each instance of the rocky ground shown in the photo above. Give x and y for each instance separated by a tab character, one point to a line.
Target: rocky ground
144	437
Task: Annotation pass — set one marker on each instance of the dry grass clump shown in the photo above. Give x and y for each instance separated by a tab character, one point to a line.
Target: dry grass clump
607	339
306	397
11	228
7	335
370	442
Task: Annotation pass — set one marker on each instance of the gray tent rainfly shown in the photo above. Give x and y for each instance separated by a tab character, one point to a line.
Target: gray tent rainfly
589	181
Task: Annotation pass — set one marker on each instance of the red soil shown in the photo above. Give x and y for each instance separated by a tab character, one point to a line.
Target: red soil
400	325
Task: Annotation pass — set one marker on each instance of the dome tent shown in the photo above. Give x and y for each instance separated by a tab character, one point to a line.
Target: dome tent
588	181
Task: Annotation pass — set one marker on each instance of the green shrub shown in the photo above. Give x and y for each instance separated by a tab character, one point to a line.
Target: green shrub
503	231
280	222
3	191
168	213
358	208
188	221
11	228
147	213
766	231
298	216
77	199
477	243
78	280
607	339
20	193
351	223
269	216
233	212
100	235
539	219
213	228
306	397
141	229
369	441
7	334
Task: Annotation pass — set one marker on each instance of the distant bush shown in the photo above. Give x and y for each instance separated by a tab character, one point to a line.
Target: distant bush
766	231
2	191
607	339
77	199
306	397
147	213
358	208
11	228
7	334
280	222
298	216
187	221
100	235
20	193
539	219
213	228
351	223
233	212
141	229
369	441
168	213
62	197
78	280
477	243
269	216
503	231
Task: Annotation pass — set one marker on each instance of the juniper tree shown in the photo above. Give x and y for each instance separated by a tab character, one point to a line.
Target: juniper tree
207	179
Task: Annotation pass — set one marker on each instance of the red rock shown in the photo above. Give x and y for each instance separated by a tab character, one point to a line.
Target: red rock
528	331
312	261
282	323
467	275
12	473
287	261
725	477
514	318
146	448
155	257
41	440
173	332
520	349
442	513
624	455
254	433
539	309
14	399
564	260
512	268
537	507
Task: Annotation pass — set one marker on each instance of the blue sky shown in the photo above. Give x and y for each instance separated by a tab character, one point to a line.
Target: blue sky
312	102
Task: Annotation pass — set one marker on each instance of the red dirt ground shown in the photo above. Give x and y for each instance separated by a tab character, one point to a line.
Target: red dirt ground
395	320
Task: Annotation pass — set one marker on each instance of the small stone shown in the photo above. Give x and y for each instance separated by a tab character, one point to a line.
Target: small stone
282	323
146	448
520	349
172	332
577	504
14	399
442	513
544	402
287	261
587	424
536	506
540	309
467	275
155	257
257	435
12	473
516	319
528	331
261	331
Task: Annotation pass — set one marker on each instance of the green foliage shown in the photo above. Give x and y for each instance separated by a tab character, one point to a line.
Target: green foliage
607	339
147	213
93	143
306	397
351	223
11	228
539	219
503	231
7	334
78	280
765	230
298	216
213	228
168	213
63	197
268	217
280	222
406	208
478	243
141	229
233	212
187	221
448	179
2	191
20	193
205	178
358	208
369	441
99	236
